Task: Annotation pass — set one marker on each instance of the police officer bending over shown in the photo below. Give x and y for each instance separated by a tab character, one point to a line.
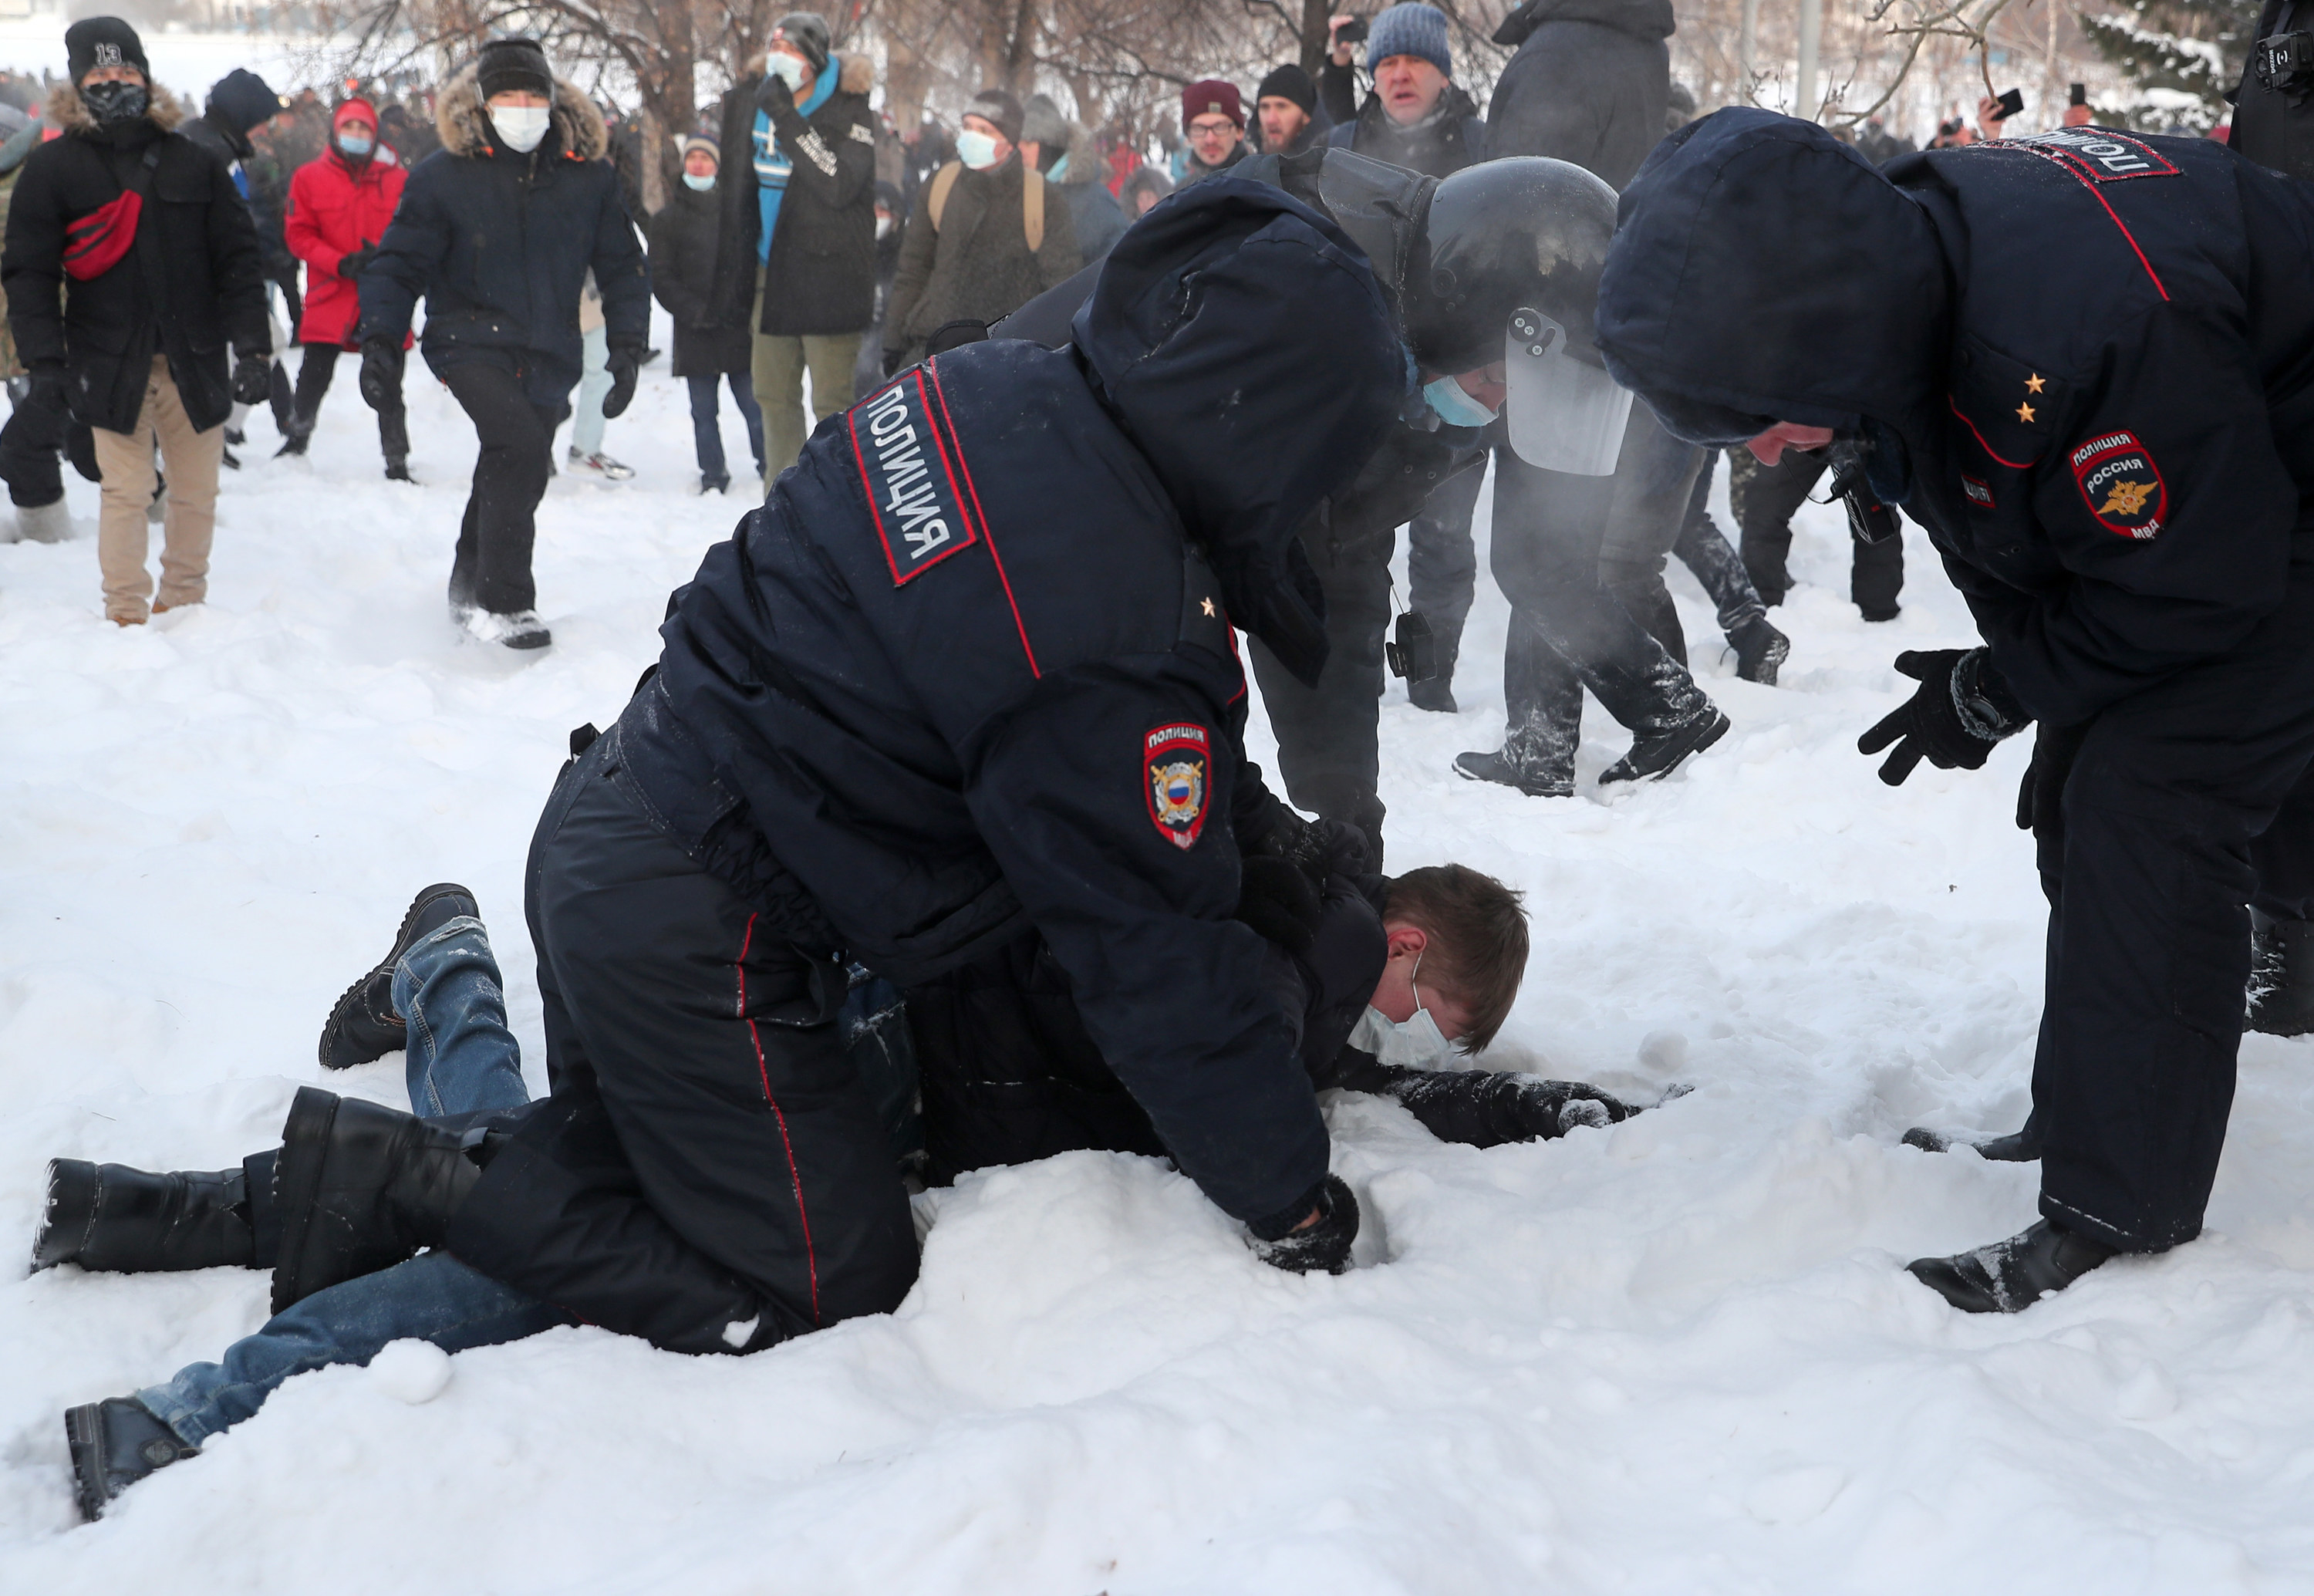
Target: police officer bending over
2084	361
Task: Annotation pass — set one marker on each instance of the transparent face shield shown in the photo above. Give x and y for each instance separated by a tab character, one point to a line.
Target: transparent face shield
1562	415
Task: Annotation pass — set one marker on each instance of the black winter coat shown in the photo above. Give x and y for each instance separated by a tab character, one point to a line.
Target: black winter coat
821	277
188	288
2269	127
1451	137
499	245
2106	422
969	670
682	276
1591	84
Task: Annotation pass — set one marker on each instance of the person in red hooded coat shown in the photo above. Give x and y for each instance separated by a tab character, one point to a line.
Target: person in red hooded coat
339	204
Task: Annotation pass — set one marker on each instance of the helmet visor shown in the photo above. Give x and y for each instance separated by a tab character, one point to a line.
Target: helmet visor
1561	414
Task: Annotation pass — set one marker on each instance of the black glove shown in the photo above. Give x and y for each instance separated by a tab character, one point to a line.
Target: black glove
1482	1108
1546	1109
381	372
350	263
1325	1245
253	379
1961	709
625	362
893	361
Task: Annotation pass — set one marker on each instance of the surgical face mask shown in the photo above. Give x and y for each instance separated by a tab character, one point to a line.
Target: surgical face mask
790	71
355	145
1060	171
1414	1043
520	128
698	184
1454	407
114	102
883	224
975	149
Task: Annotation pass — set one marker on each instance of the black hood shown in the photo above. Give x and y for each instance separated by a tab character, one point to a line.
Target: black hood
1241	340
1648	20
1763	271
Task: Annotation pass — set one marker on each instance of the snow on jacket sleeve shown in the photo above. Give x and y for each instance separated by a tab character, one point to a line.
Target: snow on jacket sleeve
1172	989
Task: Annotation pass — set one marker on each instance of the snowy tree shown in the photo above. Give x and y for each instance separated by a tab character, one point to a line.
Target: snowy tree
2180	58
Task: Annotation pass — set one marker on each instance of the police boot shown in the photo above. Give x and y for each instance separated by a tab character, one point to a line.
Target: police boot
110	1217
1506	770
1761	650
114	1444
2013	1274
2017	1147
1656	754
2280	975
361	1188
362	1026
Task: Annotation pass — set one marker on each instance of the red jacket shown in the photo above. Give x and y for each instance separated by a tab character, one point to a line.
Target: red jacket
335	207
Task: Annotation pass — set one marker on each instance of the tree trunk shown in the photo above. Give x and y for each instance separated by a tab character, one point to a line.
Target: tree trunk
1314	13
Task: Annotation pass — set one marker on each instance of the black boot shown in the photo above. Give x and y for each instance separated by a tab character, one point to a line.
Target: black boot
114	1444
2017	1147
362	1026
2013	1274
110	1217
359	1189
2280	975
295	444
1658	754
1500	767
1433	694
1761	650
397	469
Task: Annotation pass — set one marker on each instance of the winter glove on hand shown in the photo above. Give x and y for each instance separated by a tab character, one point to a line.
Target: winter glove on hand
625	362
1483	1109
352	264
381	372
1960	710
1277	898
1547	1109
1325	1245
253	379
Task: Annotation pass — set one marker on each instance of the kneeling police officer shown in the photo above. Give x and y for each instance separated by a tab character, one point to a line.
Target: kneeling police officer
2084	361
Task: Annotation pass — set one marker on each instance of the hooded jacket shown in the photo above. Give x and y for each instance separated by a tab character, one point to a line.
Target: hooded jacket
821	277
969	670
336	206
2085	360
1451	136
188	288
1591	84
498	244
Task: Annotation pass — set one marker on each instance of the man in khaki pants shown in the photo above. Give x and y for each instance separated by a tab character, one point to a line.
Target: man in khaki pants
130	263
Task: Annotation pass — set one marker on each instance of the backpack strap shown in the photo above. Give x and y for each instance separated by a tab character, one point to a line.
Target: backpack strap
1032	208
943	184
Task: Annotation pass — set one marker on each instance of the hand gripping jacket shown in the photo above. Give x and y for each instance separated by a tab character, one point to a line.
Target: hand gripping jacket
970	667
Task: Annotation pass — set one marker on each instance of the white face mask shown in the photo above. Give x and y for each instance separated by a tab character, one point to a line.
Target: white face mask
883	225
1416	1043
520	128
790	71
698	184
975	149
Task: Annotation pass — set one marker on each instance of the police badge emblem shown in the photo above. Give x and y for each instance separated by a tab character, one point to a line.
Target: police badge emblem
1176	781
2122	485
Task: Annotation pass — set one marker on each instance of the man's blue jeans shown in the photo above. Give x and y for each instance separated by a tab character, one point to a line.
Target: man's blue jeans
462	1059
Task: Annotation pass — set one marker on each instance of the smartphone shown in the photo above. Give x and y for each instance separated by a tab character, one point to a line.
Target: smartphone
1353	32
2012	101
2079	95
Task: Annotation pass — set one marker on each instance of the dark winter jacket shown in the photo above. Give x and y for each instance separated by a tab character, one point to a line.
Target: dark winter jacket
1093	211
976	264
1451	137
821	278
1194	170
188	288
1591	84
498	244
2269	126
969	672
682	276
2086	360
337	206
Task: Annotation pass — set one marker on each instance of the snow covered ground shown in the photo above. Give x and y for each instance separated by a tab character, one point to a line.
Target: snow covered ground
1678	1355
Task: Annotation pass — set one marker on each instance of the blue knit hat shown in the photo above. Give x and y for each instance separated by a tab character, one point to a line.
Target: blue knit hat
1410	30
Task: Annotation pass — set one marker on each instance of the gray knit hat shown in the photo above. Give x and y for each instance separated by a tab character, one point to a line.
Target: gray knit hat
1410	29
1043	124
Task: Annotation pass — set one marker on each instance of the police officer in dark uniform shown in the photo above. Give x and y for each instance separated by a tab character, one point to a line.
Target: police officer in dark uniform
2084	361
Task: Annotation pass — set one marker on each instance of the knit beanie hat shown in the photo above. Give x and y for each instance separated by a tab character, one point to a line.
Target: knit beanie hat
1410	29
1000	110
1289	82
1043	124
242	101
698	141
102	41
507	64
1209	96
807	31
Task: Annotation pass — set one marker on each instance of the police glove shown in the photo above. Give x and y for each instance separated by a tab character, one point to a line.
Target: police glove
1323	1245
381	372
1960	710
1278	899
625	363
353	262
253	379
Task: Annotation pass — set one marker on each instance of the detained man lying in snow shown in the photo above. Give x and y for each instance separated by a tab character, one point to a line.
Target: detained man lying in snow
1383	977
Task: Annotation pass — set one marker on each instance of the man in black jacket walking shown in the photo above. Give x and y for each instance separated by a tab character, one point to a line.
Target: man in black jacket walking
130	266
709	351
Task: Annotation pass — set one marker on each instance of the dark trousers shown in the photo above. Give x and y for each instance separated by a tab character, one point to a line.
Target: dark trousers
30	444
491	568
1765	499
1442	563
2147	862
707	427
313	375
709	1171
1713	561
1329	736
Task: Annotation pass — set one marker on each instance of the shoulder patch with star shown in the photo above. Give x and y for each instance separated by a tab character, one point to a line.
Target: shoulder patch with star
2122	486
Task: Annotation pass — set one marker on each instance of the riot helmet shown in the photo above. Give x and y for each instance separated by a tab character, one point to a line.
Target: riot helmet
1507	268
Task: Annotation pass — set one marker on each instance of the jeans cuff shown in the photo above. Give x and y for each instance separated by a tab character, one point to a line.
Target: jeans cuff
185	1422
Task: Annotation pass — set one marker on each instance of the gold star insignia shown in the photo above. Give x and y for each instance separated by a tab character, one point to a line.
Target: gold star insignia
2035	384
1206	605
2024	412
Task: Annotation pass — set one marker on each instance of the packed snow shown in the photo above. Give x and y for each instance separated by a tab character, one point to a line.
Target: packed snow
1675	1355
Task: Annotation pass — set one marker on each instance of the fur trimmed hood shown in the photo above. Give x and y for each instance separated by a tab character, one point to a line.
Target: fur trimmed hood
463	122
855	74
66	111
